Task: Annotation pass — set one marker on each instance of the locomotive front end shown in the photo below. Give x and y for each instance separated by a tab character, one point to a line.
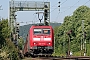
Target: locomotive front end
42	40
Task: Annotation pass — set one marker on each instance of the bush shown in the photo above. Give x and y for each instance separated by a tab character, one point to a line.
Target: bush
8	51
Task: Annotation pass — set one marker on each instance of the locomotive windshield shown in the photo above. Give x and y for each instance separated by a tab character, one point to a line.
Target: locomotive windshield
41	31
46	31
37	31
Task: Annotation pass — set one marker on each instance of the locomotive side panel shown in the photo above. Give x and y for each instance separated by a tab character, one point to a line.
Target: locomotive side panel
31	37
25	50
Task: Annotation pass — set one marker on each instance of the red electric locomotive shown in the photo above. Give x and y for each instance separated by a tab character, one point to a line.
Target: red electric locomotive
40	40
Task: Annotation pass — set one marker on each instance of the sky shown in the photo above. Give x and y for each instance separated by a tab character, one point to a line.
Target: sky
67	7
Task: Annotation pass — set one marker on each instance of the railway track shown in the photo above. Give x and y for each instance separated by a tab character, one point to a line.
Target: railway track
59	58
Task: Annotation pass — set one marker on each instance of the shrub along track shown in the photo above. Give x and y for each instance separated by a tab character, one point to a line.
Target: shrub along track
58	58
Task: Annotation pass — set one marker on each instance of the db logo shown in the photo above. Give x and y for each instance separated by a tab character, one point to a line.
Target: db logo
41	38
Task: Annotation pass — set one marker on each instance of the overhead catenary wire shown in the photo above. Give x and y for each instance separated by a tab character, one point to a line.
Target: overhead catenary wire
63	8
86	2
63	2
71	6
57	6
57	16
54	8
68	8
83	4
33	20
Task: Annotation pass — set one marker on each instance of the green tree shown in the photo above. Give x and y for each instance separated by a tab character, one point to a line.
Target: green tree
4	31
7	48
20	43
73	23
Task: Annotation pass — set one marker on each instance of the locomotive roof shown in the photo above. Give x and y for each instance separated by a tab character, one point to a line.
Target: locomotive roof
41	26
33	26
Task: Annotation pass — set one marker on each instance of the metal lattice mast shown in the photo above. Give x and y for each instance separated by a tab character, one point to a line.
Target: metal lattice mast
26	6
47	13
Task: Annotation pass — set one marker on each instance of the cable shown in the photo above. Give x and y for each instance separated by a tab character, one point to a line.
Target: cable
68	7
86	2
83	4
64	2
57	7
71	6
24	2
27	22
62	8
57	16
34	19
53	9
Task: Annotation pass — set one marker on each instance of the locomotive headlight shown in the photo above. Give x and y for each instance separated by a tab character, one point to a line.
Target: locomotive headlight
34	43
49	43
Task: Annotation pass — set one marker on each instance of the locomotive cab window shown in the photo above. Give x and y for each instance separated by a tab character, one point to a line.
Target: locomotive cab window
37	31
46	31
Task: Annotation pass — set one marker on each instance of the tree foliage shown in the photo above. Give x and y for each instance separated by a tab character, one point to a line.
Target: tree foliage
4	31
73	23
8	50
20	43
